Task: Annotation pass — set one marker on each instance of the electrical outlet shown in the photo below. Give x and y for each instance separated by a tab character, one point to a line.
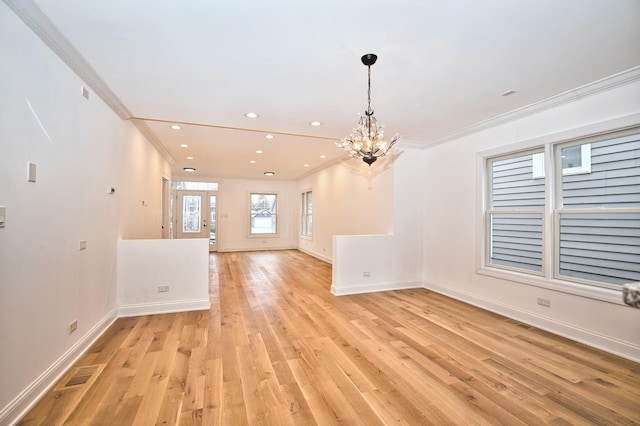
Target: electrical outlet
544	302
366	274
163	289
83	245
73	326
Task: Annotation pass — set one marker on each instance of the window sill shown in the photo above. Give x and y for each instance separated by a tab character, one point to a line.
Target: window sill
258	236
582	290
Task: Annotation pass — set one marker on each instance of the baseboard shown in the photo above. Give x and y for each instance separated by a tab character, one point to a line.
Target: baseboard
154	308
32	394
371	288
237	249
598	341
316	255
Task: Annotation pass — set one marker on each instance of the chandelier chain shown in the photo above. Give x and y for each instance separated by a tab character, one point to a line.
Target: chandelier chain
369	112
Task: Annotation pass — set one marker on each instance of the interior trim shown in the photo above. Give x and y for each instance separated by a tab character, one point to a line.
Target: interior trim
40	24
34	392
616	80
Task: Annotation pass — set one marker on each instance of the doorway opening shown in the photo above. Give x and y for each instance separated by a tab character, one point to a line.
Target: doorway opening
194	211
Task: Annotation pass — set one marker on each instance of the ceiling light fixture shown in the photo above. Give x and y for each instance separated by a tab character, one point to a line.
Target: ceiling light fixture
189	158
259	151
269	136
176	127
189	169
269	173
367	140
315	123
184	145
251	115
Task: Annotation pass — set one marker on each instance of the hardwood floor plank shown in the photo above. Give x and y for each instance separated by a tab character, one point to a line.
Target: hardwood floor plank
277	348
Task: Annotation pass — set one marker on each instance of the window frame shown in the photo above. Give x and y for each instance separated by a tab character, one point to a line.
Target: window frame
252	234
610	129
305	214
583	168
489	212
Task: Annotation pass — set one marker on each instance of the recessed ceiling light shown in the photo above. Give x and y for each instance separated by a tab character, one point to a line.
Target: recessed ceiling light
189	158
251	115
315	123
176	127
189	169
252	161
508	93
323	156
306	165
259	151
269	173
269	136
184	145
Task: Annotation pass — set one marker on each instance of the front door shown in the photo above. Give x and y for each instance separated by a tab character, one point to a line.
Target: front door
192	214
196	216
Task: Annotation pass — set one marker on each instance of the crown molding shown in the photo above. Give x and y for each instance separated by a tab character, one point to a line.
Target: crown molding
403	143
42	26
616	80
152	138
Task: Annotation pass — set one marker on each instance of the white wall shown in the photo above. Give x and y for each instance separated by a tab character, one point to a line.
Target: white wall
180	265
80	148
392	261
141	169
347	200
234	215
452	229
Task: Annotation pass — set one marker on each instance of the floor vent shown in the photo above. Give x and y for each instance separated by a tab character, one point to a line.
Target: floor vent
81	376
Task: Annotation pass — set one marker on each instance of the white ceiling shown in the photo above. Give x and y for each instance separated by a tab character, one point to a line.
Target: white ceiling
442	66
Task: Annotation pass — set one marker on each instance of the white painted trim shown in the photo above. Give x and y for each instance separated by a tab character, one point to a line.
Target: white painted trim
42	26
372	288
316	255
153	139
140	309
614	125
36	390
599	341
256	249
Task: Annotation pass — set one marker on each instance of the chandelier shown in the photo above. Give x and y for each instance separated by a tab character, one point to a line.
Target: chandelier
367	140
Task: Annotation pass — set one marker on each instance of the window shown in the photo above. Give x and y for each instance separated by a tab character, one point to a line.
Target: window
263	214
306	220
598	213
575	160
595	214
515	216
194	186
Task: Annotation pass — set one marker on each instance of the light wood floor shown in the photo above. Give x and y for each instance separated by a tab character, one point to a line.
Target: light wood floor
277	348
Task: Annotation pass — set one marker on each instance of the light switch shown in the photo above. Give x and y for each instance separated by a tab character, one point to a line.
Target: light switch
2	213
31	172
